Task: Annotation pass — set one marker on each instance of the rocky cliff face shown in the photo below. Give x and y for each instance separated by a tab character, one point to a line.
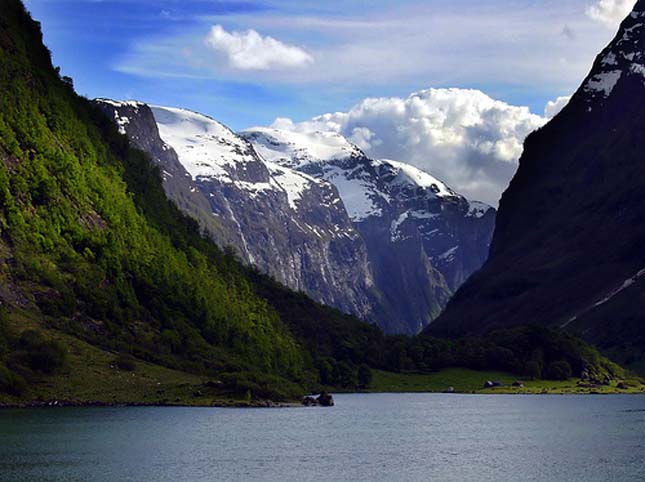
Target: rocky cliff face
423	239
288	224
376	238
568	246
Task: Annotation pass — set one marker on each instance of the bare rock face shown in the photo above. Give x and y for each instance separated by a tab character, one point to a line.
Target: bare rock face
286	223
568	246
375	238
423	239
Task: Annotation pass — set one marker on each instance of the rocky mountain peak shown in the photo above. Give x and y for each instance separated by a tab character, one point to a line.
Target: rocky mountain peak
377	238
300	150
388	199
623	58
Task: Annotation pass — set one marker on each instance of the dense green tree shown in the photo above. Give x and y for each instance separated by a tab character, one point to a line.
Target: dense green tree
364	376
532	369
559	370
345	375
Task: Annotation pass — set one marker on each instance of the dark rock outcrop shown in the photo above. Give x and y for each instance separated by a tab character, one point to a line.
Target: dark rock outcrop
325	400
568	249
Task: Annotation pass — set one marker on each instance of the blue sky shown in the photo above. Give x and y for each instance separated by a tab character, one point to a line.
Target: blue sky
451	86
521	51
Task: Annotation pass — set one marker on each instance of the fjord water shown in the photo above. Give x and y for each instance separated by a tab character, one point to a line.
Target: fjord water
366	438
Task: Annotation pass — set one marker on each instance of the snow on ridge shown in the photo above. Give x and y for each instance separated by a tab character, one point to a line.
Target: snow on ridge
622	58
292	182
120	103
364	185
208	149
604	82
121	120
297	149
478	209
205	147
408	174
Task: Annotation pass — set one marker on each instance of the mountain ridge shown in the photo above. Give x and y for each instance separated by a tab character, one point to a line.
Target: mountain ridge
371	208
566	249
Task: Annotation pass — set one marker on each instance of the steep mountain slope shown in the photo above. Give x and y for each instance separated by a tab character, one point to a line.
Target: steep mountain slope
568	246
91	245
285	223
423	239
322	217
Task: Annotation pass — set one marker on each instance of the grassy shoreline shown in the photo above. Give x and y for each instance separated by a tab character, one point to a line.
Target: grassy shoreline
93	379
467	381
144	387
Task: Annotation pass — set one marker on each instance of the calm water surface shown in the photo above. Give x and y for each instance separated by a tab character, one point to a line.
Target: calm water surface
365	438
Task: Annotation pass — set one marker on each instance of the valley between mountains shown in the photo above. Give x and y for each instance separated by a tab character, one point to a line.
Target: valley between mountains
151	255
379	239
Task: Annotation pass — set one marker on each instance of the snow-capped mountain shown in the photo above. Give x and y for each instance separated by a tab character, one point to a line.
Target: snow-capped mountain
286	223
377	238
389	199
568	245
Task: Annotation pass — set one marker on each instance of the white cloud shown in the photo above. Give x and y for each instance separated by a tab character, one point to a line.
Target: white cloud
553	107
534	47
463	137
251	51
610	12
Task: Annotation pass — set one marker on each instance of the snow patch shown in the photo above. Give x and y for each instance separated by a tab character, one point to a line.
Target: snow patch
449	255
394	227
610	59
638	69
205	147
477	209
358	195
604	82
294	183
410	175
298	149
626	284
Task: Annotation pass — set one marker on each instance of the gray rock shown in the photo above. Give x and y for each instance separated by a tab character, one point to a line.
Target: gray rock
492	384
325	400
309	401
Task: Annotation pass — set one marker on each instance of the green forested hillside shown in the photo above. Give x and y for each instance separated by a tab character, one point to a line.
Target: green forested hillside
90	244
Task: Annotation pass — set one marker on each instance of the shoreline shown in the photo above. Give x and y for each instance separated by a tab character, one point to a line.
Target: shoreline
55	403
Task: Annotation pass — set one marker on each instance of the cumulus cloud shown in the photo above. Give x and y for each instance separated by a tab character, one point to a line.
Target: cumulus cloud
251	51
553	107
463	137
610	12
